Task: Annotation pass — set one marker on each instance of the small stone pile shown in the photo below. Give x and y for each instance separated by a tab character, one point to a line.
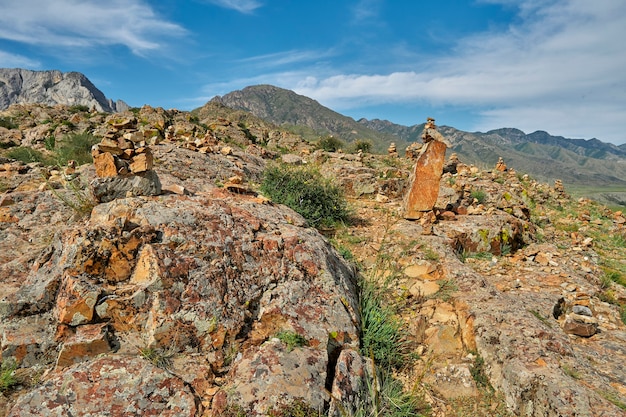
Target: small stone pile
123	168
575	315
500	165
119	157
392	150
413	150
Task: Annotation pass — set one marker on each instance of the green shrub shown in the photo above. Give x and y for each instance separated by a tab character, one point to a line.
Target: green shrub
330	144
7	122
303	189
479	195
7	376
79	108
27	155
362	145
49	142
77	147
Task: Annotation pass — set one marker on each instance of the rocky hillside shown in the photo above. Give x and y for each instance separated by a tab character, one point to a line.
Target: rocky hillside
545	157
159	280
301	114
53	87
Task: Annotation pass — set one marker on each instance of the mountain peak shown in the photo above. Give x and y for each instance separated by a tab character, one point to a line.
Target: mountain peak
20	86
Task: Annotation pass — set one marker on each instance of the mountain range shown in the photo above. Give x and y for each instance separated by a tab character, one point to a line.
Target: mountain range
545	157
53	87
577	162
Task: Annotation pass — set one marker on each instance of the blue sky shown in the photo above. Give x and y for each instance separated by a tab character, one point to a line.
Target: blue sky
553	65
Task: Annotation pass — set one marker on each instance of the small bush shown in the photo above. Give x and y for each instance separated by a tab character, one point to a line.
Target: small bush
77	147
49	142
364	146
27	155
304	190
479	195
7	123
330	144
79	108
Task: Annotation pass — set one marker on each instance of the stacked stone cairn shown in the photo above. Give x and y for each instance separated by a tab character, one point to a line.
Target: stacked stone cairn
123	163
392	150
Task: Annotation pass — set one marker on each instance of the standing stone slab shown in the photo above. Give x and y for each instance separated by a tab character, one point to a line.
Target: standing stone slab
424	181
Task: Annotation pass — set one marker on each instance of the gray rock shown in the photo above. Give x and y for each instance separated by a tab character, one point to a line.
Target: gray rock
582	310
52	87
141	184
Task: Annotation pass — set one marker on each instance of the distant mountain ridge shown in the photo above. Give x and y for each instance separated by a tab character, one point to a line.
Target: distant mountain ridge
18	86
543	156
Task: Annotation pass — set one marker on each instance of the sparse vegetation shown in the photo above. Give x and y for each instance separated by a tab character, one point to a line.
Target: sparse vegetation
8	123
296	408
7	376
382	333
27	155
76	196
157	357
77	147
479	195
303	189
364	146
291	339
79	108
330	144
478	372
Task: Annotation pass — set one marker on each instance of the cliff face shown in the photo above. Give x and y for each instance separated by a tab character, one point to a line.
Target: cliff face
52	87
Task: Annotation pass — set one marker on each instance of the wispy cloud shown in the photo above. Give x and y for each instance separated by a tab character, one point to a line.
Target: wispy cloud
564	57
243	6
10	60
284	58
74	23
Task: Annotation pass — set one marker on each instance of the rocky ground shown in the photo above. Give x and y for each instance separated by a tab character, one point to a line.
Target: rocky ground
208	298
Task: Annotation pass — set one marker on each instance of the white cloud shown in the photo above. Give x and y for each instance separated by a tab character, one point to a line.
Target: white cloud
565	60
75	23
10	60
243	6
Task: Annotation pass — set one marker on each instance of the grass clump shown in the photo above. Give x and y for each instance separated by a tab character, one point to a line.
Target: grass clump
296	408
7	376
478	195
382	334
77	147
157	357
76	196
303	189
8	123
27	155
330	144
291	339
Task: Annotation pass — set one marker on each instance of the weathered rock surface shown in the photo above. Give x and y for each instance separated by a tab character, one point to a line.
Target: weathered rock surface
52	87
423	188
200	274
114	386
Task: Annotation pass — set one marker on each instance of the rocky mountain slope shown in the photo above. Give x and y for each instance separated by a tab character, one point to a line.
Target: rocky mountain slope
53	87
545	157
208	299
